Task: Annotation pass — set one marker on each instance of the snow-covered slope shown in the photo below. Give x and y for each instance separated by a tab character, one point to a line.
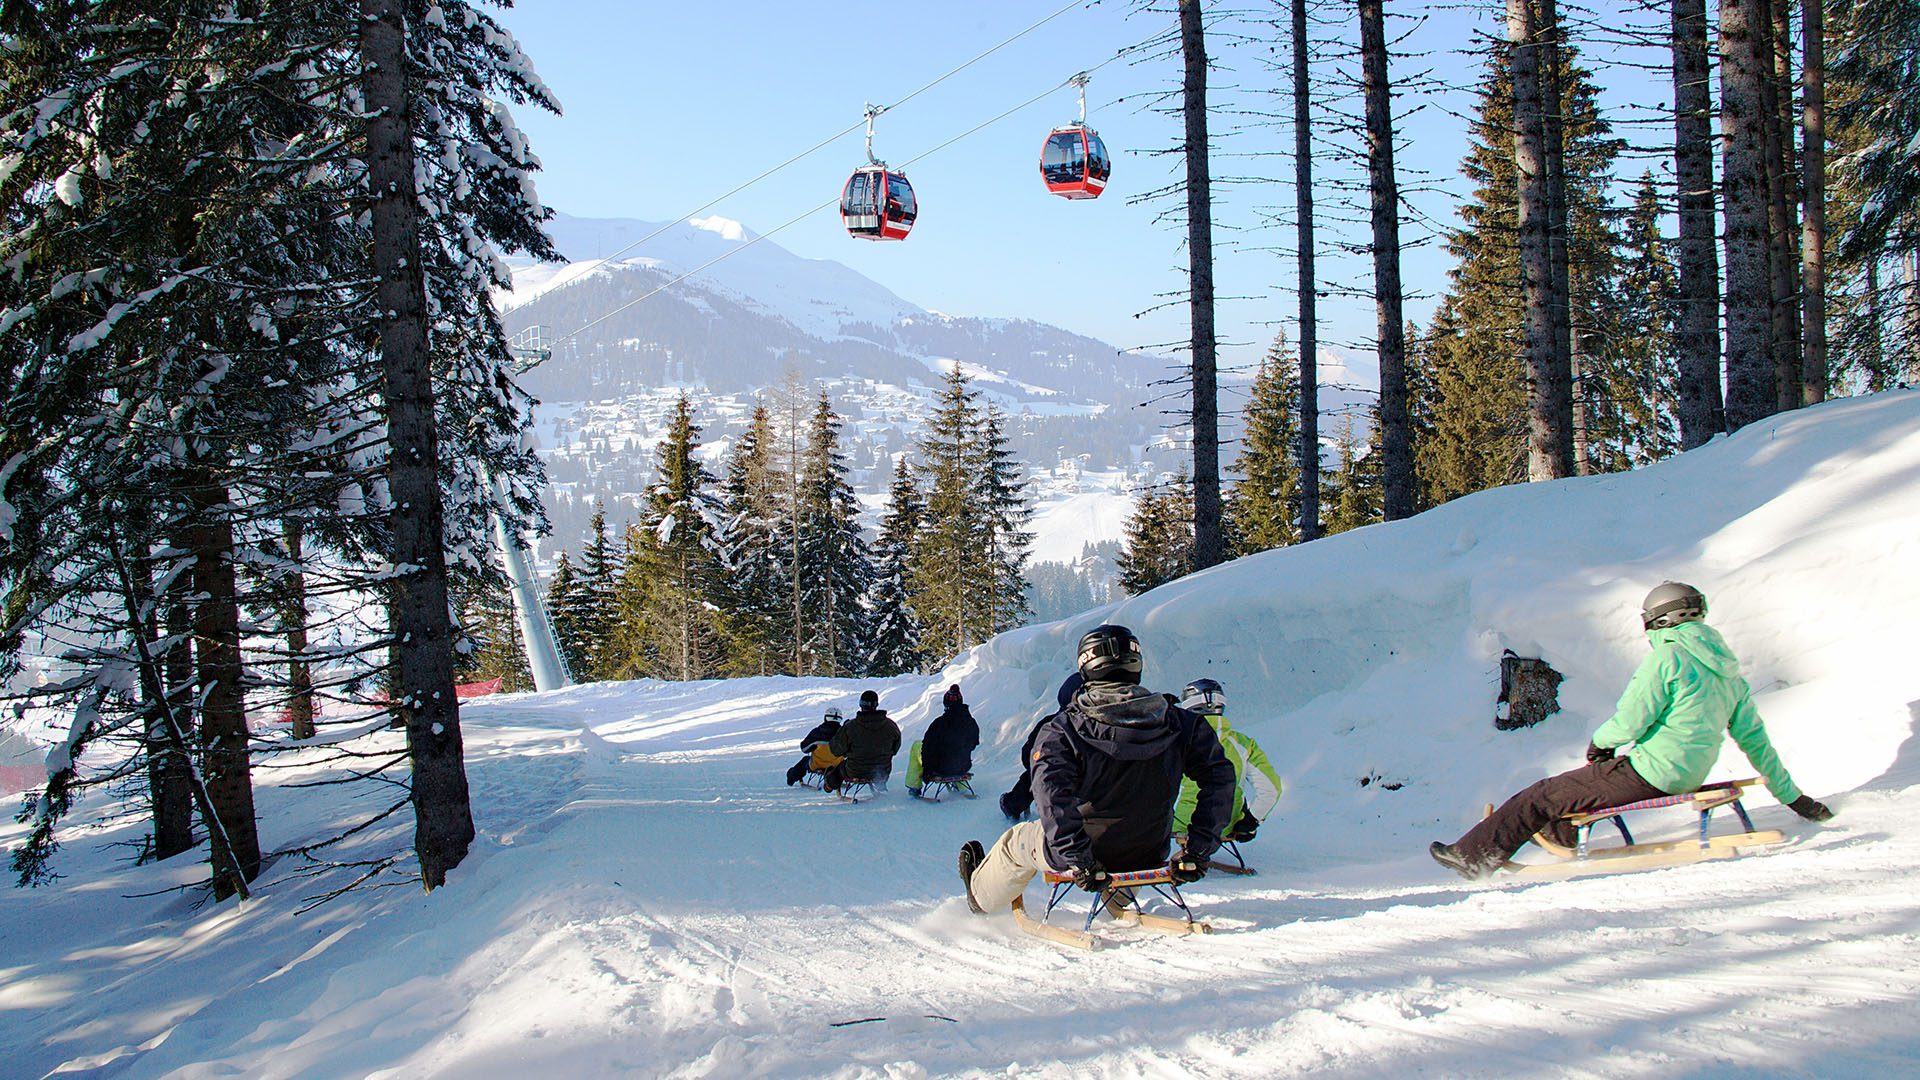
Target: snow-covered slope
647	899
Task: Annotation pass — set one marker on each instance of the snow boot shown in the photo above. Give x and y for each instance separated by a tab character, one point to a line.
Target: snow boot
971	856
795	774
1449	856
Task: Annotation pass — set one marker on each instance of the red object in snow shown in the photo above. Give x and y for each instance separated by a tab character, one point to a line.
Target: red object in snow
477	689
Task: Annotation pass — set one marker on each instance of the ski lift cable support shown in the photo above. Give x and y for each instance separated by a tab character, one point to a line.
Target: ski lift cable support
873	111
835	201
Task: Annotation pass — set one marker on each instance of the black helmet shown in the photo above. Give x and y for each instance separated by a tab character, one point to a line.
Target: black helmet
1110	654
1672	603
1204	696
869	699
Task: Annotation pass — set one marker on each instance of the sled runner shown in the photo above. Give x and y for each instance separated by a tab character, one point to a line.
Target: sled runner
931	787
1583	858
1118	900
1237	866
852	787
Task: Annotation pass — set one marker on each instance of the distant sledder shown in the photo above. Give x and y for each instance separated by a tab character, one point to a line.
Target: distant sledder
1106	773
816	758
865	746
1018	800
1256	789
1686	696
942	759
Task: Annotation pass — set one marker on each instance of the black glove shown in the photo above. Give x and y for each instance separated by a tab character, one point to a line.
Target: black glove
1598	753
1011	807
1810	808
1186	867
1092	878
1244	829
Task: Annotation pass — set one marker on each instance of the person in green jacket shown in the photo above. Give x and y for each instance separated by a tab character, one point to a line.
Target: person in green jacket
1208	698
1682	703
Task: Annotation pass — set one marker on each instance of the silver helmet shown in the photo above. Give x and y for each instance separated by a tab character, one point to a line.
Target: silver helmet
1672	603
1204	696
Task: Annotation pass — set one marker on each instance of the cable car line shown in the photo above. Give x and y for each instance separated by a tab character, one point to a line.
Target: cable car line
803	215
841	134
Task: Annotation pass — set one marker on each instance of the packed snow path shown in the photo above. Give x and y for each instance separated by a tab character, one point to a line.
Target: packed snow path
648	899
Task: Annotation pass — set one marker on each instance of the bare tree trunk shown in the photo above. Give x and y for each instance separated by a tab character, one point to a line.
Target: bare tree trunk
224	748
1559	226
1701	411
1309	299
1209	546
169	773
421	625
1877	379
1549	398
299	669
1396	434
1783	226
1813	193
1745	67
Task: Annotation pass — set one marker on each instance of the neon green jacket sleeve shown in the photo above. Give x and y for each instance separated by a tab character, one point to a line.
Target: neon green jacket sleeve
1259	802
1750	735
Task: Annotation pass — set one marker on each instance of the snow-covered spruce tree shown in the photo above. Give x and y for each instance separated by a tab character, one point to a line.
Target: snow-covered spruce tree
1159	537
948	563
1632	384
595	617
1263	505
564	592
756	550
491	646
674	572
1008	509
835	572
895	648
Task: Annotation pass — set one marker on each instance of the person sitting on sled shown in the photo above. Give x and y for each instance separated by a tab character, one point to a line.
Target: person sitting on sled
1683	701
815	757
1209	699
865	745
1019	798
945	752
1106	772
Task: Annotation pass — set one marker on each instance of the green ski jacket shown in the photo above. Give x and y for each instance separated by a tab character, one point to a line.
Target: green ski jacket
1681	704
1242	751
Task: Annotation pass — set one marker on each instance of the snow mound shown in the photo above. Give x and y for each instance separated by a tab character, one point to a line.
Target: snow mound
645	897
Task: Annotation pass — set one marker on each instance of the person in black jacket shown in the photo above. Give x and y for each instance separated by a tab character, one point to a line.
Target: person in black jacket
822	733
1106	772
946	750
1019	798
866	744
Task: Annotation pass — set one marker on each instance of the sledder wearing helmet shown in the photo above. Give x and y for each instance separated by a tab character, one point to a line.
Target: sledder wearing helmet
1684	700
813	745
1208	698
1106	772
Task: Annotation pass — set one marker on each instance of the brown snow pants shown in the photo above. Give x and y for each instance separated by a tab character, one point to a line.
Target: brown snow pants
1593	786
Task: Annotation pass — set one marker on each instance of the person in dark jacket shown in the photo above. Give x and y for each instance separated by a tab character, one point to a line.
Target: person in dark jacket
1106	772
865	745
813	748
1019	798
946	750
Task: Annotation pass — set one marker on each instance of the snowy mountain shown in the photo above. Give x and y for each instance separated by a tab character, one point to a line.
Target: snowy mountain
1083	417
646	898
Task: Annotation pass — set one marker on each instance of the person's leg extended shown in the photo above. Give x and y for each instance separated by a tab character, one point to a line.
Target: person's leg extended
1010	864
1594	786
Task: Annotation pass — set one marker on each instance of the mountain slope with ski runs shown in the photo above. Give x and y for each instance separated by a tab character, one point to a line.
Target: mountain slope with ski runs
647	898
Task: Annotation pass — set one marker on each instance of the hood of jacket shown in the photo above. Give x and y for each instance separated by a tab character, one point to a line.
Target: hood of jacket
1125	722
1703	643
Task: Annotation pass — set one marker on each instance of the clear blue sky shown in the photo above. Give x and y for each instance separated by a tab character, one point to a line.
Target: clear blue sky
669	105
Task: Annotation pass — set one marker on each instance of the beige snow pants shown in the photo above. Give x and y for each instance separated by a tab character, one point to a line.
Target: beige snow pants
1019	854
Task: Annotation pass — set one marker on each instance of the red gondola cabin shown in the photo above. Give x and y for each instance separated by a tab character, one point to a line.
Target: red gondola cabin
878	204
1074	162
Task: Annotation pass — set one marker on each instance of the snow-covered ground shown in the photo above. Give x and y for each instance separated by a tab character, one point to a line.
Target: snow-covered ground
647	899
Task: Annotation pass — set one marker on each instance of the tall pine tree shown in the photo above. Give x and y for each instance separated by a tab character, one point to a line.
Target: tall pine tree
1263	506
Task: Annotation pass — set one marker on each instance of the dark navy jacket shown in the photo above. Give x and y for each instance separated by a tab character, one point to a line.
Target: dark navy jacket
824	731
1106	774
947	747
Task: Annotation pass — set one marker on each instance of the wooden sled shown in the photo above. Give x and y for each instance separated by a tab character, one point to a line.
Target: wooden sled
1120	902
932	787
1583	858
1237	866
852	787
